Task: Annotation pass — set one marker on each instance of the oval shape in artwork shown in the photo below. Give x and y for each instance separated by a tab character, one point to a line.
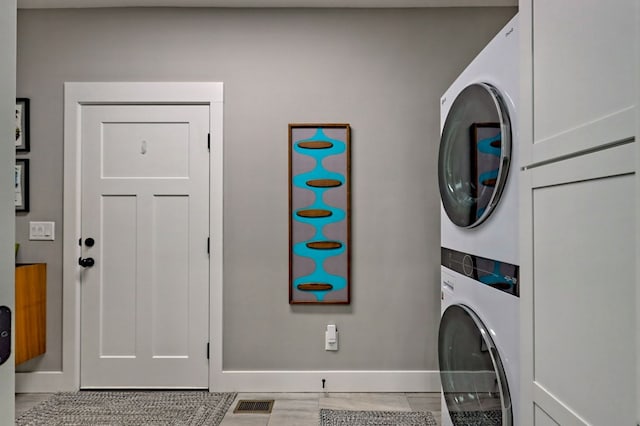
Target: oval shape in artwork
314	287
324	183
315	145
324	245
314	213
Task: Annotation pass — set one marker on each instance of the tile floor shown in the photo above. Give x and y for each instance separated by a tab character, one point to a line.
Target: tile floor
24	401
301	409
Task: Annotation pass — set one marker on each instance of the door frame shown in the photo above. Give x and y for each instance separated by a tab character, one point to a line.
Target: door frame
77	94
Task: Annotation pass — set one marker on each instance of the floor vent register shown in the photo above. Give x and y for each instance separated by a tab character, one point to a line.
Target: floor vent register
254	406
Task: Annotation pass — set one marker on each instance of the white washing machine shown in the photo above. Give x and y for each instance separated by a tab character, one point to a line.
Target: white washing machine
478	342
478	353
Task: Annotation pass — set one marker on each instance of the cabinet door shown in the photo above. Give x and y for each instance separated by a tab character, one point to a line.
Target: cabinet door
579	202
581	289
583	75
31	311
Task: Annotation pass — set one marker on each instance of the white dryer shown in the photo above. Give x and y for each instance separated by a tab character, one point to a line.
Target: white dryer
477	162
478	343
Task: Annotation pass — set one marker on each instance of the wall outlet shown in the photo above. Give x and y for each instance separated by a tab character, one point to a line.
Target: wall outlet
331	338
42	231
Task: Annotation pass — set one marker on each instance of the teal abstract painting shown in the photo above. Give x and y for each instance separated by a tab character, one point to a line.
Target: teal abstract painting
319	213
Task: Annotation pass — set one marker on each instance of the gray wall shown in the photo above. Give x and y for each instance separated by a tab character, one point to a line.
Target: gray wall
7	208
382	71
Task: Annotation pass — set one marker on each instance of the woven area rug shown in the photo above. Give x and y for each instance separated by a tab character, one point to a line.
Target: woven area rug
477	418
376	418
191	408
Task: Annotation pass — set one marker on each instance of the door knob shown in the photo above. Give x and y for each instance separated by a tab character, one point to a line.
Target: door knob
86	262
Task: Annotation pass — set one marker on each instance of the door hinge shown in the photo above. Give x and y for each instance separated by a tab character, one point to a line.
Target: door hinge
207	350
209	141
208	245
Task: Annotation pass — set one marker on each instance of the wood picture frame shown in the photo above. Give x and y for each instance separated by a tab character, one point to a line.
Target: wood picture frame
319	213
21	184
22	125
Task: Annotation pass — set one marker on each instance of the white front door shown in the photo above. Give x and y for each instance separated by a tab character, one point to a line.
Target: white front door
145	223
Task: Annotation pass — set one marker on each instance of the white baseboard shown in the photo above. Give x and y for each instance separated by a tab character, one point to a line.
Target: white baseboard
42	382
335	381
274	381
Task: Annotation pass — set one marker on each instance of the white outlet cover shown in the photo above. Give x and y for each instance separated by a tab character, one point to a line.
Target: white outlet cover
329	343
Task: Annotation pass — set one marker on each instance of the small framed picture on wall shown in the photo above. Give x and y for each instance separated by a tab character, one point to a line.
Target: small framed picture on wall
21	183
22	125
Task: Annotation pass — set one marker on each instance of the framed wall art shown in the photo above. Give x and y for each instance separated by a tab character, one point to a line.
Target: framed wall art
22	125
319	213
21	183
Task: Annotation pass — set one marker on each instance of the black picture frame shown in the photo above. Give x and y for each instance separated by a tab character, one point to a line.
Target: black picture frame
21	184
22	125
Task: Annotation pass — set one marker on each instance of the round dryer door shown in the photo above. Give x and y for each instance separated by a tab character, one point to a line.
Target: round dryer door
473	379
475	151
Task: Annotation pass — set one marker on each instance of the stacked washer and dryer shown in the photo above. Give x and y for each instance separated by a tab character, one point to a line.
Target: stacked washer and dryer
478	341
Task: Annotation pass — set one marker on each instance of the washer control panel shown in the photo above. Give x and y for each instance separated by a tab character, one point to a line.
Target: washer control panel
494	273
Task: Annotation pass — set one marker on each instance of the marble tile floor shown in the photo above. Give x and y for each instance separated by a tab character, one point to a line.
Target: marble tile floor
301	409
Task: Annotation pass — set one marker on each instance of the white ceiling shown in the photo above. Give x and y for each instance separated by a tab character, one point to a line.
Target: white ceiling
37	4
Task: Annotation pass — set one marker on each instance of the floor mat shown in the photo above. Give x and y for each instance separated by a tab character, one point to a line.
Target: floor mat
376	418
188	408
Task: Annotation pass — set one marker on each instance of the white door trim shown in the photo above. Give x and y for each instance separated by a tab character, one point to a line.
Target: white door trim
75	95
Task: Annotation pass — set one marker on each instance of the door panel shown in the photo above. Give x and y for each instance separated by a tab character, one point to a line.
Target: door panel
583	303
145	197
570	67
140	150
117	337
171	276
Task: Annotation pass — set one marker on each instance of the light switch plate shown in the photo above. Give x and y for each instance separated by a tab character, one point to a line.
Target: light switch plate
42	231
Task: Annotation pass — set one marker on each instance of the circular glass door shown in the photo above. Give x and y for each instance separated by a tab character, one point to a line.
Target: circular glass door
473	379
474	157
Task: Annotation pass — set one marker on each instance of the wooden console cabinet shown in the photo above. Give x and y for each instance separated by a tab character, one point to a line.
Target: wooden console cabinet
30	311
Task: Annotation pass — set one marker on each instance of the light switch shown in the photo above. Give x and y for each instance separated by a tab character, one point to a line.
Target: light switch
42	231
